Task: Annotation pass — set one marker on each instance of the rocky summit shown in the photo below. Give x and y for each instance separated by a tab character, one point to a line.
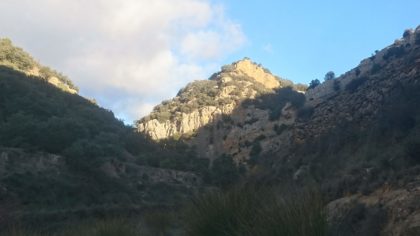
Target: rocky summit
224	107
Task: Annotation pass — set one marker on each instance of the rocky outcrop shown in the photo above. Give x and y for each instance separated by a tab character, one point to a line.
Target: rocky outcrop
387	211
225	91
214	113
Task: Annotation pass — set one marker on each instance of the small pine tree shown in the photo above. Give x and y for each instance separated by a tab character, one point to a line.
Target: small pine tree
330	75
314	83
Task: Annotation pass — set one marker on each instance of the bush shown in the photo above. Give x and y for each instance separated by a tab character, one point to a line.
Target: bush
223	172
394	52
257	211
336	85
375	68
417	39
256	149
329	76
228	68
407	33
274	102
355	83
314	83
280	128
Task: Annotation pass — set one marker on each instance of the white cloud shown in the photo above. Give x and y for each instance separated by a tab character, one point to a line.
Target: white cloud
127	54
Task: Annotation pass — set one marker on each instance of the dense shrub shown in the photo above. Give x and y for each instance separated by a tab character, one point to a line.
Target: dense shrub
336	85
224	172
396	52
417	39
280	128
274	102
314	83
257	211
375	68
329	76
355	83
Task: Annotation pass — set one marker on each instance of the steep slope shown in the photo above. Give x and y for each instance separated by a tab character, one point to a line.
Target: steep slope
226	107
357	137
361	143
66	155
14	57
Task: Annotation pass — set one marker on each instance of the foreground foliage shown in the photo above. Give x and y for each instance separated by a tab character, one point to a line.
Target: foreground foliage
257	211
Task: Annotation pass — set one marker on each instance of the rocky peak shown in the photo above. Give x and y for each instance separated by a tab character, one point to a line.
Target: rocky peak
205	101
246	67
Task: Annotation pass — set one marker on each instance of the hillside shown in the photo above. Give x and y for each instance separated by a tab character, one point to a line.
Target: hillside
356	136
14	57
340	158
233	106
63	156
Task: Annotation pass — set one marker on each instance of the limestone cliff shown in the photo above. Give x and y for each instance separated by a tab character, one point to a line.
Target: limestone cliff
202	102
223	113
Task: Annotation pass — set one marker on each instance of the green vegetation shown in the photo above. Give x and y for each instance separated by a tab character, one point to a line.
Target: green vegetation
375	68
275	102
205	93
224	172
314	83
257	211
97	154
18	59
355	83
280	128
330	75
396	52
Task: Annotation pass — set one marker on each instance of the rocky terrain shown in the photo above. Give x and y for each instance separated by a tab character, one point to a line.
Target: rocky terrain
356	136
219	116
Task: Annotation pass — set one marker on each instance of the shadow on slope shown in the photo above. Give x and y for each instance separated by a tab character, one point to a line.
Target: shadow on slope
64	157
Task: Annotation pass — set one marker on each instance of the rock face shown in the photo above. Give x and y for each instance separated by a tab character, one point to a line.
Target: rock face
218	114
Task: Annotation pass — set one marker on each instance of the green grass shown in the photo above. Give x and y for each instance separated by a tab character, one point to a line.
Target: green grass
257	211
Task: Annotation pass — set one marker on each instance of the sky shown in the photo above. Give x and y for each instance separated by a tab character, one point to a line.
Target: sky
131	54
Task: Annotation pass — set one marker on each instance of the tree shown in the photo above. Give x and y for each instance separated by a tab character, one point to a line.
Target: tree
314	83
330	75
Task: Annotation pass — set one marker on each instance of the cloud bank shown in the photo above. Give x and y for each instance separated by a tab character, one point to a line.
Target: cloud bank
129	54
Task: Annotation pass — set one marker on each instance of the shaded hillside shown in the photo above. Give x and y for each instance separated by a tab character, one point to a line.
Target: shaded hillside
61	153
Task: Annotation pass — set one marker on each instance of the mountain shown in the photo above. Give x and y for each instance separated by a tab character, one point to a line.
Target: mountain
356	136
63	156
261	155
235	106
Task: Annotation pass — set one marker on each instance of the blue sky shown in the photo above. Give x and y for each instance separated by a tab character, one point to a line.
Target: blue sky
131	54
302	40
